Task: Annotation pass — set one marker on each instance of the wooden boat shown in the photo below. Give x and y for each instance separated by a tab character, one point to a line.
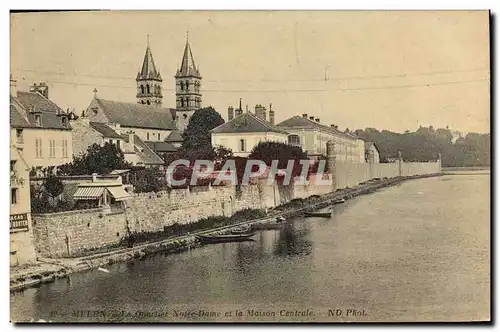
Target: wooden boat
241	230
225	238
339	201
325	214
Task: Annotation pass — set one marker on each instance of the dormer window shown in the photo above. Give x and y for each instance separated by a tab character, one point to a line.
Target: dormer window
38	120
64	121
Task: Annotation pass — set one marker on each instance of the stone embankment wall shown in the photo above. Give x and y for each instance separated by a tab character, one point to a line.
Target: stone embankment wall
68	233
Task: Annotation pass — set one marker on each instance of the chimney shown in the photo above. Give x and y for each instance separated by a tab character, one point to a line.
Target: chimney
13	87
260	112
41	88
94	177
311	118
271	114
230	113
317	120
304	115
240	105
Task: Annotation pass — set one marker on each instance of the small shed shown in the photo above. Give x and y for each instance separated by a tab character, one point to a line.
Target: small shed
100	194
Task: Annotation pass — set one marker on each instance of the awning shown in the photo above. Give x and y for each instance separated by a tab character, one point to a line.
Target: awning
88	193
119	193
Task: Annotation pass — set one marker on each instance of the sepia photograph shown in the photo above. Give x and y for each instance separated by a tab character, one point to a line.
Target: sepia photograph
270	166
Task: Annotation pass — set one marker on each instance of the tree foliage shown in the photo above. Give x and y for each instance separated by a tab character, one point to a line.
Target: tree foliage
97	159
53	186
149	180
282	152
197	134
426	143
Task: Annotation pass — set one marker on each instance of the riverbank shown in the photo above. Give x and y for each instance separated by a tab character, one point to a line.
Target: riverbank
48	270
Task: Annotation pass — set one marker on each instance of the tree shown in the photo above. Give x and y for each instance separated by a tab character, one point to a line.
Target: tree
149	180
197	134
97	159
53	186
282	152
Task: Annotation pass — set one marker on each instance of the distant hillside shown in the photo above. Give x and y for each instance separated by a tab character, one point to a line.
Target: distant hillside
424	145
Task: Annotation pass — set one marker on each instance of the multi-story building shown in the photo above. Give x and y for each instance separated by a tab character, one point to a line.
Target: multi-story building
243	132
135	150
43	131
22	250
312	136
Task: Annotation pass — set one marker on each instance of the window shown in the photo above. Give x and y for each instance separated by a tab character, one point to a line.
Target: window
182	86
184	116
118	143
12	165
13	196
294	139
65	148
187	86
38	119
38	148
52	148
64	121
242	145
147	88
142	88
147	102
147	135
158	136
19	135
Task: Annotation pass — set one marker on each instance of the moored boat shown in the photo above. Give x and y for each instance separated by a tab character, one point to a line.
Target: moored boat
339	201
326	214
241	230
225	238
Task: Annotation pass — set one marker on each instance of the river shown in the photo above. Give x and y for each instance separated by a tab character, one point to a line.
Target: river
419	251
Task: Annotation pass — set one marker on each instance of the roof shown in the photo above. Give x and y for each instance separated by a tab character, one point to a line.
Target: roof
136	115
119	171
188	67
51	117
104	130
38	101
161	146
302	122
247	123
148	70
16	119
175	136
369	145
144	152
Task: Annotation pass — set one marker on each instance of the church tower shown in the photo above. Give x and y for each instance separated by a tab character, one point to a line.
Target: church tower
187	91
149	82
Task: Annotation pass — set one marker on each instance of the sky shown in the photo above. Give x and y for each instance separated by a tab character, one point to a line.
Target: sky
394	70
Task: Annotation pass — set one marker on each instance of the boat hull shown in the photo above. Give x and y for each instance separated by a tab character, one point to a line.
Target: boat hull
225	238
318	214
268	226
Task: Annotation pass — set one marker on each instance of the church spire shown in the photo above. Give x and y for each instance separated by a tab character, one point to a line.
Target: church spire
188	67
149	81
148	71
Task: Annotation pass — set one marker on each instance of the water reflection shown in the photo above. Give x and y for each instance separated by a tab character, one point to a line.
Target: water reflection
293	240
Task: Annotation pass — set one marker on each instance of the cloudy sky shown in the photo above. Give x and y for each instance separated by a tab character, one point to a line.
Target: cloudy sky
388	70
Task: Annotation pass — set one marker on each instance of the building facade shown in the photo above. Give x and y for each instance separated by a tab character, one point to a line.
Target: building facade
149	82
243	132
372	154
308	133
22	248
43	130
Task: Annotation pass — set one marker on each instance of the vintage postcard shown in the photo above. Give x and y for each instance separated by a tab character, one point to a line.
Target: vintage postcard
250	166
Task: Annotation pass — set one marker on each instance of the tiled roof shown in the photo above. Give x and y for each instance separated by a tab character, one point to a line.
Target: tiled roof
161	146
188	67
247	123
47	109
135	115
148	70
35	99
146	155
104	130
175	136
16	119
302	122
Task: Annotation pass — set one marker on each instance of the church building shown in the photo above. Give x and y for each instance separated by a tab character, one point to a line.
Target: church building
157	126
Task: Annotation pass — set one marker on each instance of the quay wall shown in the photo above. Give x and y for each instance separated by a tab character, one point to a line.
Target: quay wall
69	233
